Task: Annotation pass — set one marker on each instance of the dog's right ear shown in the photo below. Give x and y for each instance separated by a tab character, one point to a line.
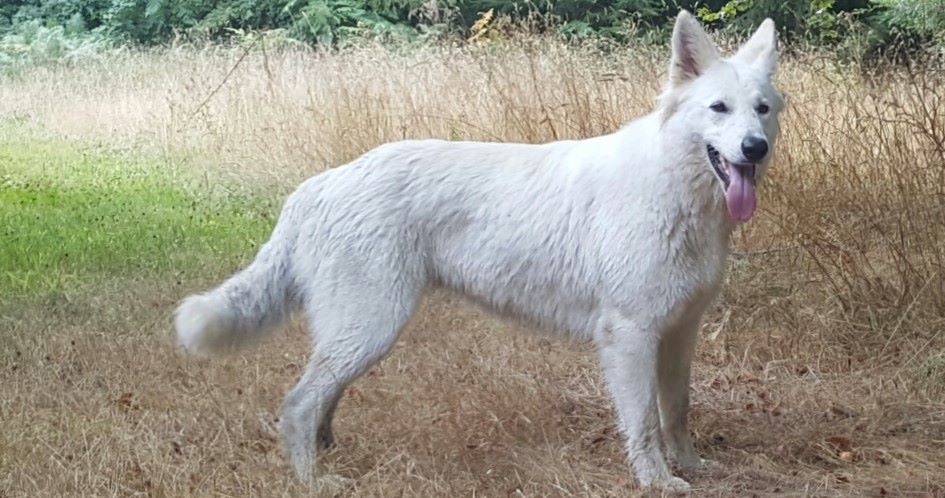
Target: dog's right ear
693	51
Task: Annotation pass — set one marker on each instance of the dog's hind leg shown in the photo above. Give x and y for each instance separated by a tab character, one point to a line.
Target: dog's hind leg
352	328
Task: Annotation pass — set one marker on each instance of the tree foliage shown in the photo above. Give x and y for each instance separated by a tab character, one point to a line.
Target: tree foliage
327	21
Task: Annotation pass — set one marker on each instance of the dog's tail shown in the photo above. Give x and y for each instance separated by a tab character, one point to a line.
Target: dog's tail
240	311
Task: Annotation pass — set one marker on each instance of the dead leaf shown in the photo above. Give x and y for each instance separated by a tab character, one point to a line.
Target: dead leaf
126	401
839	443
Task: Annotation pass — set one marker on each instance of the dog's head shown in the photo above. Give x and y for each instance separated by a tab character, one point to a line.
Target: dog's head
728	107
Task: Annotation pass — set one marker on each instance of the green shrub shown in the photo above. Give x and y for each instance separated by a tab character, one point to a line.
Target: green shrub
914	22
826	23
32	43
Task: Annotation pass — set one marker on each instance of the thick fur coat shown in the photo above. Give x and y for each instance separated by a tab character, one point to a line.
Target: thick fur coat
619	239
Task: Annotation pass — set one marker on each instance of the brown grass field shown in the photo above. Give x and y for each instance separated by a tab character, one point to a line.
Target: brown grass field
820	370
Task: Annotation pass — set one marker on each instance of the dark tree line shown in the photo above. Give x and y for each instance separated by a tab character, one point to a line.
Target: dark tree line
148	22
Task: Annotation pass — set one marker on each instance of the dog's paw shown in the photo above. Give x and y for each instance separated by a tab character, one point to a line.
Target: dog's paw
671	483
331	484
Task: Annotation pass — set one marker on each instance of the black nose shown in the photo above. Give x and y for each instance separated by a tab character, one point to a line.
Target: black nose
755	148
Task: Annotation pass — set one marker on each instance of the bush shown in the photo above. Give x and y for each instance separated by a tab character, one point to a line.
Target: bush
827	23
32	43
912	22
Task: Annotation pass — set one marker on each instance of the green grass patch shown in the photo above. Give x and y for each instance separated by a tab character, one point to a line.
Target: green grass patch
73	215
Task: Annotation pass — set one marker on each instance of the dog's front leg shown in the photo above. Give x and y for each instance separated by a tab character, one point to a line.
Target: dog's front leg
675	359
628	355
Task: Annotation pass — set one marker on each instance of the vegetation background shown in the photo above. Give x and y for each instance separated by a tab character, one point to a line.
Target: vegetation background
146	148
47	28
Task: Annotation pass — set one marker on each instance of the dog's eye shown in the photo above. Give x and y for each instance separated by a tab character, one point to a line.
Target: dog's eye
762	108
719	107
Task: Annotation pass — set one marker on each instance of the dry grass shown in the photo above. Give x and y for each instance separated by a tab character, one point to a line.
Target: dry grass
821	372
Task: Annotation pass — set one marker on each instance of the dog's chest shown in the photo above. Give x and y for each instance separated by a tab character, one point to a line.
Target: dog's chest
668	264
696	249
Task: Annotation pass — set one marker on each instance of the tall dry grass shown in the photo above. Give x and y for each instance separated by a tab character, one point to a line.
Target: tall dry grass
287	115
856	196
835	300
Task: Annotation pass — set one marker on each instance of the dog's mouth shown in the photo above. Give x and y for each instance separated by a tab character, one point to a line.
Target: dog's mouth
738	183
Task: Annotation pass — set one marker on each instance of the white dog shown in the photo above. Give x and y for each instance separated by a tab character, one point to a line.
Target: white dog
621	239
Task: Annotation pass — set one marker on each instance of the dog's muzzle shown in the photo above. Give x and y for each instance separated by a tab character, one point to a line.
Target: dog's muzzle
738	183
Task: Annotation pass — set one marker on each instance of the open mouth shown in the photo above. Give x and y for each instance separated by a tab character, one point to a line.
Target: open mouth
738	182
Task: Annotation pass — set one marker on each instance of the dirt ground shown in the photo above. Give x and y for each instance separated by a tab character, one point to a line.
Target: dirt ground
96	400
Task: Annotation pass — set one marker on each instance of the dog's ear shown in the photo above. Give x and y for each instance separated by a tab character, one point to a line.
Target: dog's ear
693	51
761	50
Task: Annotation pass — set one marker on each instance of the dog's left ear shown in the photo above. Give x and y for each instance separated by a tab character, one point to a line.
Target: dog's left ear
761	50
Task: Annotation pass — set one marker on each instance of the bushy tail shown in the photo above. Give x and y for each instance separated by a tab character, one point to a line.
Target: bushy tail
241	310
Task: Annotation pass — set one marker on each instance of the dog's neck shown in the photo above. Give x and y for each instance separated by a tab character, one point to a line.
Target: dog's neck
678	170
672	184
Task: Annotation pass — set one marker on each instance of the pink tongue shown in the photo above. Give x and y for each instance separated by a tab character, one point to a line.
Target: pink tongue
740	195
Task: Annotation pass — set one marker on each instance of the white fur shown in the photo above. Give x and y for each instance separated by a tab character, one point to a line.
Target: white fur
620	239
